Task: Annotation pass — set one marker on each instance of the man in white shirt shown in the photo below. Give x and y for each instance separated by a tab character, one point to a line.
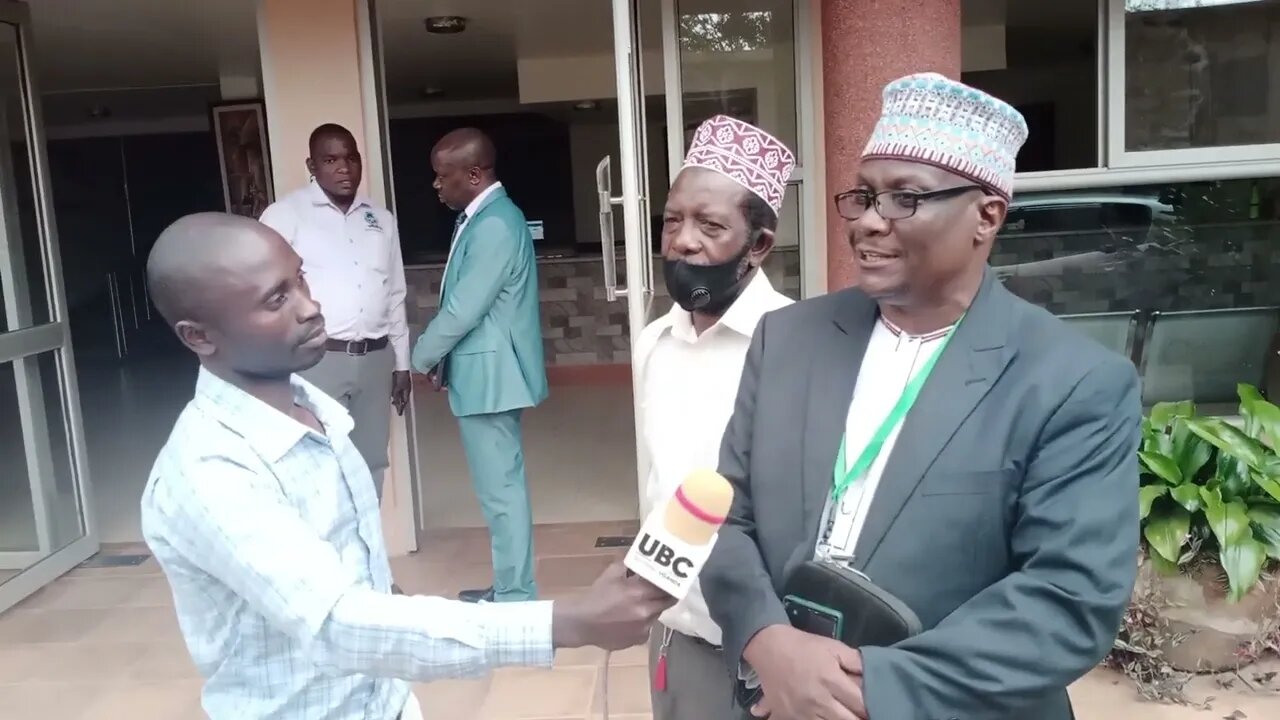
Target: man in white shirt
262	515
718	227
350	251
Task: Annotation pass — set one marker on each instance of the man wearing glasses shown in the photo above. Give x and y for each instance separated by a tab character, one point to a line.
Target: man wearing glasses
961	448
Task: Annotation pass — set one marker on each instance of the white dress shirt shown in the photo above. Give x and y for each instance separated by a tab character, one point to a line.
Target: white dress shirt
353	264
468	213
688	385
270	536
892	359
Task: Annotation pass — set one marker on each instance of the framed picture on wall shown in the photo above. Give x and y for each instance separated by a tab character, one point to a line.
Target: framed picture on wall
240	129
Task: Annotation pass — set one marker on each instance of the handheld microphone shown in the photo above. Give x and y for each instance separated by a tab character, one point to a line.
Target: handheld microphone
678	536
674	543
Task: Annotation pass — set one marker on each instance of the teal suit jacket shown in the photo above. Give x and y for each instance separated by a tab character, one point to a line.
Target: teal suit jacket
488	326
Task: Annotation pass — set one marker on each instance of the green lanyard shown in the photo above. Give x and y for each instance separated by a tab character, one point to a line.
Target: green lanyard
841	480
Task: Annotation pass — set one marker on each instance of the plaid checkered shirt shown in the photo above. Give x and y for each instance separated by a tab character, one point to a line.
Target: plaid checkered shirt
270	536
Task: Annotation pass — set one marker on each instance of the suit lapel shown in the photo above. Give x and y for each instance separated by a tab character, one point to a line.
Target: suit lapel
459	241
832	375
968	367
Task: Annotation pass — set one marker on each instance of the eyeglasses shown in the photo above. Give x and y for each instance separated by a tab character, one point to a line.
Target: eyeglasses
892	204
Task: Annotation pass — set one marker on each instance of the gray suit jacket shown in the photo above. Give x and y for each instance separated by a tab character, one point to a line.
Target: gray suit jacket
1007	517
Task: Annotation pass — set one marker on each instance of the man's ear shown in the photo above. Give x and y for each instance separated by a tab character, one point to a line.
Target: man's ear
992	211
311	167
195	337
761	247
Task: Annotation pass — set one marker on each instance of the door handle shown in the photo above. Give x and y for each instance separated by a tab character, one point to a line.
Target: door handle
604	189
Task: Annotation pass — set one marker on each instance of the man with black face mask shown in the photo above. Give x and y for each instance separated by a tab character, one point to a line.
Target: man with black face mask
718	227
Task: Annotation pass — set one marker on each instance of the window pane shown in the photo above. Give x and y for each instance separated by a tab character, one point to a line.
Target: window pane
1201	73
739	59
1204	258
783	265
67	509
60	505
17	519
1042	58
23	277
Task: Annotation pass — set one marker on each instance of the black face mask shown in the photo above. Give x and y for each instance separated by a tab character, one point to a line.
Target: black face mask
709	289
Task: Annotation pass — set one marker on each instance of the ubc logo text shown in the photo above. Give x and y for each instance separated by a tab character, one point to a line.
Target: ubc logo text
664	556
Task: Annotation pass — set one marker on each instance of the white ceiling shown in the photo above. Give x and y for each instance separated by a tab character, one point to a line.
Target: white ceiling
136	44
94	44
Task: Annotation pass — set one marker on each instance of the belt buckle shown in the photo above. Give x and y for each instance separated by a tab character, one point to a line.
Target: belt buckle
353	344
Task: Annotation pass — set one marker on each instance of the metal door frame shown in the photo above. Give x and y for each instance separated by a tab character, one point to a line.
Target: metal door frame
23	347
633	161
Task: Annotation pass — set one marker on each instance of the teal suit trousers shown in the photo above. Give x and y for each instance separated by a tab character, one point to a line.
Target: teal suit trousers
496	459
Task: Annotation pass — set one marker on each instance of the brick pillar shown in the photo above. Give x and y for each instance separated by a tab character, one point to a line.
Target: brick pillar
865	44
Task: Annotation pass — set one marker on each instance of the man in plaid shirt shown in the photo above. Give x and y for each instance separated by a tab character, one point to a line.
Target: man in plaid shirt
264	517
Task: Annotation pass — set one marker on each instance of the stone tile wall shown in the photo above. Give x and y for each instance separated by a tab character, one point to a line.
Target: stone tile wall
580	327
1234	265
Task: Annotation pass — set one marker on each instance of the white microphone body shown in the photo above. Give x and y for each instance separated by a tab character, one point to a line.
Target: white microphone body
666	561
677	538
674	543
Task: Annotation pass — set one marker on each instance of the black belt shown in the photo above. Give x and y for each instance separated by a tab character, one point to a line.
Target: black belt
698	640
356	347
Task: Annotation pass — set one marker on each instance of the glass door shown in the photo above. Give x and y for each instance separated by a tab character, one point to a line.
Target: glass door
633	203
45	523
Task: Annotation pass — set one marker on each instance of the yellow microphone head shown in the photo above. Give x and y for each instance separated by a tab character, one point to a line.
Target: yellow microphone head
699	507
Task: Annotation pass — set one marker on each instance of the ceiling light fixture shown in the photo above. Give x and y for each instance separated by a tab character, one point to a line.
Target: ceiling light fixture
445	24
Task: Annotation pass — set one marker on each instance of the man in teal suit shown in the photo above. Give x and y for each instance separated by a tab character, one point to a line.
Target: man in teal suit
485	346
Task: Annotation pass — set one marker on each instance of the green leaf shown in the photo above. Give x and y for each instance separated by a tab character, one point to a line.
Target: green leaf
1270	485
1162	466
1188	450
1249	400
1228	438
1266	527
1163	413
1211	496
1155	439
1166	530
1243	562
1147	494
1162	566
1233	476
1264	423
1188	496
1229	521
1248	396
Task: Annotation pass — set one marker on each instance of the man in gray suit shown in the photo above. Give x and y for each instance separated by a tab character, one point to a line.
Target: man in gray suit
1002	509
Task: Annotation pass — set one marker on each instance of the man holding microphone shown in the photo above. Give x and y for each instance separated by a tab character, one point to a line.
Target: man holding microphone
262	515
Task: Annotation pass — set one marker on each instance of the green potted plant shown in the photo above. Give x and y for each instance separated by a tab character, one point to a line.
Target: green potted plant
1210	517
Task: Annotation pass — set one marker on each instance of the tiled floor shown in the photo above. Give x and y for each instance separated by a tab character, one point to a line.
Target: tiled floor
101	644
579	449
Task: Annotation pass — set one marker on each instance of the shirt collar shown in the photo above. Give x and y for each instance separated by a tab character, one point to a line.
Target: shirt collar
318	197
473	207
270	432
741	317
